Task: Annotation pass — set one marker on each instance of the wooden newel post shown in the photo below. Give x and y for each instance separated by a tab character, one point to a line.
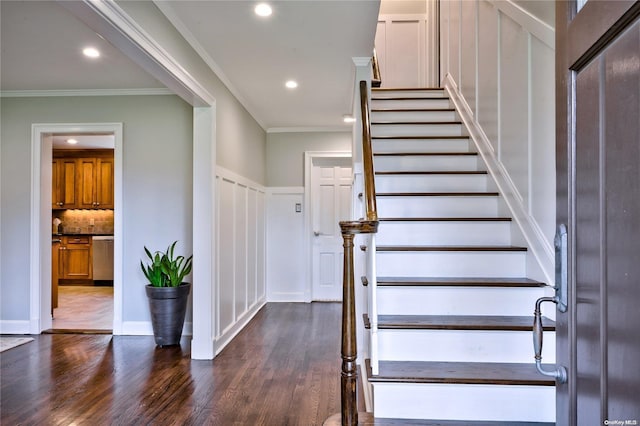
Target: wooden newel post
349	376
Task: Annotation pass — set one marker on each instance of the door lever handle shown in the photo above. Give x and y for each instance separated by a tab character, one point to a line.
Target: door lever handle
560	299
560	373
317	233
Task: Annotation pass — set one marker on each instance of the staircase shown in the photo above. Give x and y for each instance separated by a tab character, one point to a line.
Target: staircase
450	328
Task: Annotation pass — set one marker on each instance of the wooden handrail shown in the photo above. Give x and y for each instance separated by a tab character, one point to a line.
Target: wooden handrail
376	81
367	156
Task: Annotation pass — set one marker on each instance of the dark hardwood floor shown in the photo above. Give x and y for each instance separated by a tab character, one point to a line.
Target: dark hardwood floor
282	369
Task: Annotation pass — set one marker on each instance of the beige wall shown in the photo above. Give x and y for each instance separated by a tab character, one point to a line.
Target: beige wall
285	153
157	185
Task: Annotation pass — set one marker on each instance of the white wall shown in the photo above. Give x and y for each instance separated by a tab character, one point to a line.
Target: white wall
157	200
240	264
497	59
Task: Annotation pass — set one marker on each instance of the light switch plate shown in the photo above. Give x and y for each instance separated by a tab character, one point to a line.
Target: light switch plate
298	207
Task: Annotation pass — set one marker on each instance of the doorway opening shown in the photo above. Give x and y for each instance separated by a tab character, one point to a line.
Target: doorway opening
82	212
76	238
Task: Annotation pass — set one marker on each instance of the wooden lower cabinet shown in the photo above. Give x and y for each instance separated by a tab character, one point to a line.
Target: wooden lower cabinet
76	258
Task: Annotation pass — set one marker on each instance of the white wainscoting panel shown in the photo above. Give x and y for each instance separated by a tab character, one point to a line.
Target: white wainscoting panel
401	45
468	53
240	253
488	72
497	61
286	263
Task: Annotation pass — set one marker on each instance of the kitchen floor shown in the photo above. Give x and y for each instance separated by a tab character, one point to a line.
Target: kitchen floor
84	308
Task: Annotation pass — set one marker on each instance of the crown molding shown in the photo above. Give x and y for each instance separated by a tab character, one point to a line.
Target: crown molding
327	129
361	61
84	92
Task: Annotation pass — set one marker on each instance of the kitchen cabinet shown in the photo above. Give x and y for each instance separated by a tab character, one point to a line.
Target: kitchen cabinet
75	260
55	274
64	183
81	181
95	183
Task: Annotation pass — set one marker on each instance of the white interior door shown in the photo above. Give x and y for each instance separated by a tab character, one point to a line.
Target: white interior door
330	203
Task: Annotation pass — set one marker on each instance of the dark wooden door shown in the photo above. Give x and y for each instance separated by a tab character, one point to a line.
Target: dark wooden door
598	182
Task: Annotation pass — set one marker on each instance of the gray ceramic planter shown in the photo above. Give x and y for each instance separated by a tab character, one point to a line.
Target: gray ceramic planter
168	307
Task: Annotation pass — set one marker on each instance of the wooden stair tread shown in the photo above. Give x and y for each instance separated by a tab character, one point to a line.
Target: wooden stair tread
461	282
487	373
424	154
405	89
420	123
411	98
445	219
449	248
412	109
420	137
442	172
458	322
367	419
437	194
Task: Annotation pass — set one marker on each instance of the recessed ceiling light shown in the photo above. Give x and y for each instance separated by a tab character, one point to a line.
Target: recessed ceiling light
263	9
291	84
91	52
72	141
349	119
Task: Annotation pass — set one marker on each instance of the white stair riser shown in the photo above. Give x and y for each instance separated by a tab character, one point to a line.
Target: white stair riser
411	104
462	346
413	115
465	402
451	264
397	206
430	183
415	163
458	301
420	145
416	130
419	93
444	233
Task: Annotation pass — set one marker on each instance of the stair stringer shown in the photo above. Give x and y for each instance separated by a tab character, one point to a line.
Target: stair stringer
540	258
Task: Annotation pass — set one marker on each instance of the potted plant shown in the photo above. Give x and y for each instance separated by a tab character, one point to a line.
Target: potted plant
167	293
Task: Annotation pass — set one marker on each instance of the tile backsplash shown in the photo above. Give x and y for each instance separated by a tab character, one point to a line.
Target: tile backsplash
79	221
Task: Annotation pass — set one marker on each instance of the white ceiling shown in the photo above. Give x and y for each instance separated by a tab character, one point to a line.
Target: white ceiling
312	42
84	141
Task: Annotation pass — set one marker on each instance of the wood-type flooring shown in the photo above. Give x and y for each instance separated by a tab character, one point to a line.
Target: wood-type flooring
282	369
84	308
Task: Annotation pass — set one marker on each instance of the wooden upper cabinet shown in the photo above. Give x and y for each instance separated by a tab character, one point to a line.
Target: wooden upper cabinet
104	183
86	183
64	183
83	182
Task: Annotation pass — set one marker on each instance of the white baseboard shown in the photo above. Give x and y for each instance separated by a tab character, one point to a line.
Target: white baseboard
539	247
282	296
227	335
15	327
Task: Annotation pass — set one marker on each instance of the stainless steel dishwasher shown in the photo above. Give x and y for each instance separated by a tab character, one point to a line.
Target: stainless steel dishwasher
103	259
